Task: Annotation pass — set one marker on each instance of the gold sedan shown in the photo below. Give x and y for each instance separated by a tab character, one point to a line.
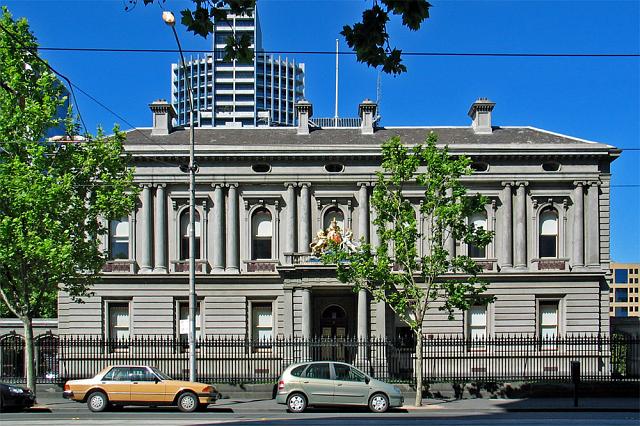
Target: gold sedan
139	385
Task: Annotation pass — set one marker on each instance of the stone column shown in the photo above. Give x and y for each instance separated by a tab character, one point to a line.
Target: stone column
218	229
306	312
146	265
161	231
381	320
520	248
363	208
305	217
507	231
233	229
290	225
578	224
362	315
593	226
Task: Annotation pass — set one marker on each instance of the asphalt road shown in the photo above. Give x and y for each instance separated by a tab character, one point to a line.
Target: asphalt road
80	415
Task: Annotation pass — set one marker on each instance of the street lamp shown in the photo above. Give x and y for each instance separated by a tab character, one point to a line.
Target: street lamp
170	20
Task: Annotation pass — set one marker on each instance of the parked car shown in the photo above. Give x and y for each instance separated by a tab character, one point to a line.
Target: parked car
139	385
334	383
16	397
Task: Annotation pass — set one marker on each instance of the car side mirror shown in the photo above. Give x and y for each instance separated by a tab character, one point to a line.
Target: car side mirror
367	380
156	380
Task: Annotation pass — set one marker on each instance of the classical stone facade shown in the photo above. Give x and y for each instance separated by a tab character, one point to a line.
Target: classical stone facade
262	194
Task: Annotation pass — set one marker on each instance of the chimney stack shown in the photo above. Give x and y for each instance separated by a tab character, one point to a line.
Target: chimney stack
304	109
367	112
163	115
480	113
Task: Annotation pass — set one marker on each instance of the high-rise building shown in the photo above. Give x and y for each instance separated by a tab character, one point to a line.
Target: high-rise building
261	93
624	290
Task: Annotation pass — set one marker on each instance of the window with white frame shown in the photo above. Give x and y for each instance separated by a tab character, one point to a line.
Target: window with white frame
119	239
548	243
479	221
330	215
477	322
261	234
183	320
118	322
185	227
262	322
548	321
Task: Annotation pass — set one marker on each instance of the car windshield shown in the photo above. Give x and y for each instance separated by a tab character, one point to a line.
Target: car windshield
160	374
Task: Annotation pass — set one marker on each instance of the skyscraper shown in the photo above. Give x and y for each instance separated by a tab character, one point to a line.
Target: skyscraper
262	93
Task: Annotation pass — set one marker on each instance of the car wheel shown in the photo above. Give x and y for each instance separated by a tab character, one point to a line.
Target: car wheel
378	403
97	401
188	402
296	403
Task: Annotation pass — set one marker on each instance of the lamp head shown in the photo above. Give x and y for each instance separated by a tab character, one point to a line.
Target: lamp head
168	18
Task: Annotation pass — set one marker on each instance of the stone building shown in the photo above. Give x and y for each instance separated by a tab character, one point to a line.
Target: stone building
262	193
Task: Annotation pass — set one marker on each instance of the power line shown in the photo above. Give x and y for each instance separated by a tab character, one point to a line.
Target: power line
33	52
327	52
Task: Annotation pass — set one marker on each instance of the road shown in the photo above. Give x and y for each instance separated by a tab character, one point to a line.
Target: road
266	413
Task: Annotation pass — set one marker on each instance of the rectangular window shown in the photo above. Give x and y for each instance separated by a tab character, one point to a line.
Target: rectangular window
477	320
622	295
119	239
548	320
621	276
622	311
118	324
183	321
262	322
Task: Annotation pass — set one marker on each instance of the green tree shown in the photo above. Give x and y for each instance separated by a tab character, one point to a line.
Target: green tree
53	195
369	37
393	271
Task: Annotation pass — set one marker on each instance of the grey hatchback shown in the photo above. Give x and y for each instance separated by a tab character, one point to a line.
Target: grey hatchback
334	383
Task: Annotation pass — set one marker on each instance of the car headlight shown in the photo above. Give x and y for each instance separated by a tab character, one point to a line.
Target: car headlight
15	390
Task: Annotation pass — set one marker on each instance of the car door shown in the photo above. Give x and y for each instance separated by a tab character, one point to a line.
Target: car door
117	384
350	385
317	383
145	386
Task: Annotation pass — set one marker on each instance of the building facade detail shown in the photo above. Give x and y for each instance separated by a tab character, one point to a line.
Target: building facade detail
548	264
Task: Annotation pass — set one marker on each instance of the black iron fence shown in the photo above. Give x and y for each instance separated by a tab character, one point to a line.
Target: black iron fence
228	359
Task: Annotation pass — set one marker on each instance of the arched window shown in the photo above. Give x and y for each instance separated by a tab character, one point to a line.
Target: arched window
479	220
548	233
47	357
333	213
261	234
119	239
184	235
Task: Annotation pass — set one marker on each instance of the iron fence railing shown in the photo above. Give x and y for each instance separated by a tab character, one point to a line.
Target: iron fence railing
231	359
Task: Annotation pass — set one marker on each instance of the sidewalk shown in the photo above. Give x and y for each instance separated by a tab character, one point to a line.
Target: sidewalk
54	401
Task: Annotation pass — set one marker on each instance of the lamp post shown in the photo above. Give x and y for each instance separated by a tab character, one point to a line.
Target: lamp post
170	20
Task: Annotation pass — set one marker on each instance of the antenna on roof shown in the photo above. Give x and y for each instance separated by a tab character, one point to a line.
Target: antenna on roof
335	116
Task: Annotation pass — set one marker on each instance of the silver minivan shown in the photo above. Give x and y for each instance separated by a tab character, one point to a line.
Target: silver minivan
334	383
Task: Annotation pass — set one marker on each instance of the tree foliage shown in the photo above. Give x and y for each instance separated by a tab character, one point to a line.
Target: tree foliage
53	194
369	38
394	271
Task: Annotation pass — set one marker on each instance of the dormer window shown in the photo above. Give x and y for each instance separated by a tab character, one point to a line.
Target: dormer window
479	166
551	166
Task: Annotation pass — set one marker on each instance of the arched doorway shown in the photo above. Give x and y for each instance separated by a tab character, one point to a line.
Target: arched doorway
333	323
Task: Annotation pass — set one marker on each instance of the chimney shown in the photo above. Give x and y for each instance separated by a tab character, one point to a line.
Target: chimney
163	115
304	109
480	113
367	112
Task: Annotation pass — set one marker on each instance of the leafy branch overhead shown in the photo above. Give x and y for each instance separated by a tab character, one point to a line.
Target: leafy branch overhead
369	38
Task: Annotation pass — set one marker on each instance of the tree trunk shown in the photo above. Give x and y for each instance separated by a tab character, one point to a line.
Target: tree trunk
419	367
29	355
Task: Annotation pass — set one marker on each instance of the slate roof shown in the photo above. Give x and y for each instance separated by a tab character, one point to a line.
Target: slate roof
350	136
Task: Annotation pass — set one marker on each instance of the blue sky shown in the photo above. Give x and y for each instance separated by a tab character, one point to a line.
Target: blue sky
591	98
